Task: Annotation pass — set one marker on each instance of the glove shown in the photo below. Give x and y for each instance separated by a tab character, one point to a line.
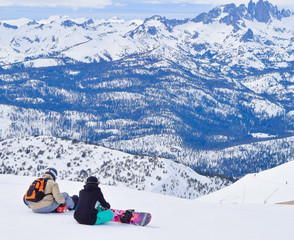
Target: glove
105	207
62	208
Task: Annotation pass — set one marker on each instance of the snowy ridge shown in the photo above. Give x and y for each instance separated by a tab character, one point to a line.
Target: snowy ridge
76	161
272	186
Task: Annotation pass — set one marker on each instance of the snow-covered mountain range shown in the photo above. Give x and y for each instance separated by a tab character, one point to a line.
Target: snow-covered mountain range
76	161
167	87
235	36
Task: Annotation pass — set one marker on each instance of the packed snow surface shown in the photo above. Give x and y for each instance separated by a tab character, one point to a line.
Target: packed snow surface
244	210
268	187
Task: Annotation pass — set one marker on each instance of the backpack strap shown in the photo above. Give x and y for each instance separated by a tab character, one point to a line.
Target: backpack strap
45	183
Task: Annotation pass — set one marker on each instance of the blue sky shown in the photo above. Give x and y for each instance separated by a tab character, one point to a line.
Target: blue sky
126	9
127	12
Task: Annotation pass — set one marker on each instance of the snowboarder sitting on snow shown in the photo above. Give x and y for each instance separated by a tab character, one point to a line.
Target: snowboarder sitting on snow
92	206
53	201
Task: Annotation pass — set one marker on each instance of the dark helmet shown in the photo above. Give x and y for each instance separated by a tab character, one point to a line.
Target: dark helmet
92	180
52	172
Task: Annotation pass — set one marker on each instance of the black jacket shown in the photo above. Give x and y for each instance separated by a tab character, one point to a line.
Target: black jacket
89	197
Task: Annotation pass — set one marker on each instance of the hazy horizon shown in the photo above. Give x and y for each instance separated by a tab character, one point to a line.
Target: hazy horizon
124	9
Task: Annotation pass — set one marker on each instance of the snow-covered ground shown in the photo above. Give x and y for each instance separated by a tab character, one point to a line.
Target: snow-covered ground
236	212
268	187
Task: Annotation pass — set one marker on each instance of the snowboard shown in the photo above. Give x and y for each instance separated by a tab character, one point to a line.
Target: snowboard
138	218
287	203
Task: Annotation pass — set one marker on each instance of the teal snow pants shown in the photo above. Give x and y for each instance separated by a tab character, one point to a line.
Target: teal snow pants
103	216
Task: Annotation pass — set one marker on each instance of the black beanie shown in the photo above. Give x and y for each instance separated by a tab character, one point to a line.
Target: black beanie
52	172
92	180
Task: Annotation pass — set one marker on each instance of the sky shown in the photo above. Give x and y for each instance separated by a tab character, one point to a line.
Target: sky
125	9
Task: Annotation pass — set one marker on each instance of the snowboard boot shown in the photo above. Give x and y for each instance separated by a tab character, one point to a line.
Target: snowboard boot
75	199
61	209
126	216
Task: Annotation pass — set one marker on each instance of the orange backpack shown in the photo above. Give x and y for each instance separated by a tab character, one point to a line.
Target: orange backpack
36	190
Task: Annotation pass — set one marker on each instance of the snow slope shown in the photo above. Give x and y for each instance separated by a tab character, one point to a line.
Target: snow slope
206	218
267	187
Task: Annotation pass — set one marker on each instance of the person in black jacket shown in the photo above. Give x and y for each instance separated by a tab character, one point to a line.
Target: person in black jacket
91	202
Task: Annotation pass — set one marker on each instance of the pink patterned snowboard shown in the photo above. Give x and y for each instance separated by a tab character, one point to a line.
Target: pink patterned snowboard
138	218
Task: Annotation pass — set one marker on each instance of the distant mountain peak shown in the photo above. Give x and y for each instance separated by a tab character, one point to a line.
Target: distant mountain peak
262	11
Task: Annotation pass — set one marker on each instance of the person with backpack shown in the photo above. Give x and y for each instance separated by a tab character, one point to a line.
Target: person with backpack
92	209
44	196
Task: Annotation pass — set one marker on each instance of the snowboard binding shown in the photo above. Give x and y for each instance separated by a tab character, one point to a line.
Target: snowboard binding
126	216
131	217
